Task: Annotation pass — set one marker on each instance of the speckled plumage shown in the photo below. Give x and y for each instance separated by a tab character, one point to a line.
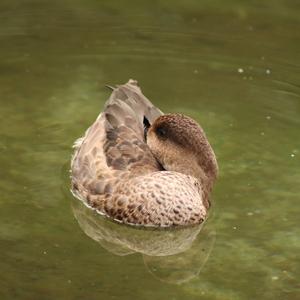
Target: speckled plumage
134	181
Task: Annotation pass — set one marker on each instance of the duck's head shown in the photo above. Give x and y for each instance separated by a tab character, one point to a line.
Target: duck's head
180	144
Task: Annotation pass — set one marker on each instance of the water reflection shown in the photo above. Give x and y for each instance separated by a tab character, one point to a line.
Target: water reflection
171	255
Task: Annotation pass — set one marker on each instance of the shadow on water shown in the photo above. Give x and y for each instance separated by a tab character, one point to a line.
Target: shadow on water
171	255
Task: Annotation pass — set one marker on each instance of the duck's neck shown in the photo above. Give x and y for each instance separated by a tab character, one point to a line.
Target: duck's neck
189	166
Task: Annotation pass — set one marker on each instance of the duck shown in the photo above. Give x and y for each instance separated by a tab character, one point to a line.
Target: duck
139	166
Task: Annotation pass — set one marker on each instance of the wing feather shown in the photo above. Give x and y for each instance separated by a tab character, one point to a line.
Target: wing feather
114	146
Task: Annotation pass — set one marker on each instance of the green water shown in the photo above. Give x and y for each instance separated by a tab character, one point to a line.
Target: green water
233	65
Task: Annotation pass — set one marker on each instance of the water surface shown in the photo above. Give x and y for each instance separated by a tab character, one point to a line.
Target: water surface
232	66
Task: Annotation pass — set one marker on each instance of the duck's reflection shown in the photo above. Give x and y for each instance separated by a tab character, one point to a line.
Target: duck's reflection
173	255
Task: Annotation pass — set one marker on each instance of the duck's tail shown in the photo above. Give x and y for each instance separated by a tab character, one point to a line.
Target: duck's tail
128	106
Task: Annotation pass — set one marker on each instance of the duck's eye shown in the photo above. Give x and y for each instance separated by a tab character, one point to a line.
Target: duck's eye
161	132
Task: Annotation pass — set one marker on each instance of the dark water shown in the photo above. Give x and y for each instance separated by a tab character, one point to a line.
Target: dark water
234	66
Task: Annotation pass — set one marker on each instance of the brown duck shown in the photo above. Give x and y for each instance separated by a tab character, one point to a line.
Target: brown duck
139	166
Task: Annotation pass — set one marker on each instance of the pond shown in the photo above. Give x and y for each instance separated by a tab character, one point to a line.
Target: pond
233	66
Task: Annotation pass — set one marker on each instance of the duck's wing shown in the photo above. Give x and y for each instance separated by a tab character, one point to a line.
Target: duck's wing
114	146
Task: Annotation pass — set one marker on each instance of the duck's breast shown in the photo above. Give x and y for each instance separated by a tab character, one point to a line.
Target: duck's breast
158	199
